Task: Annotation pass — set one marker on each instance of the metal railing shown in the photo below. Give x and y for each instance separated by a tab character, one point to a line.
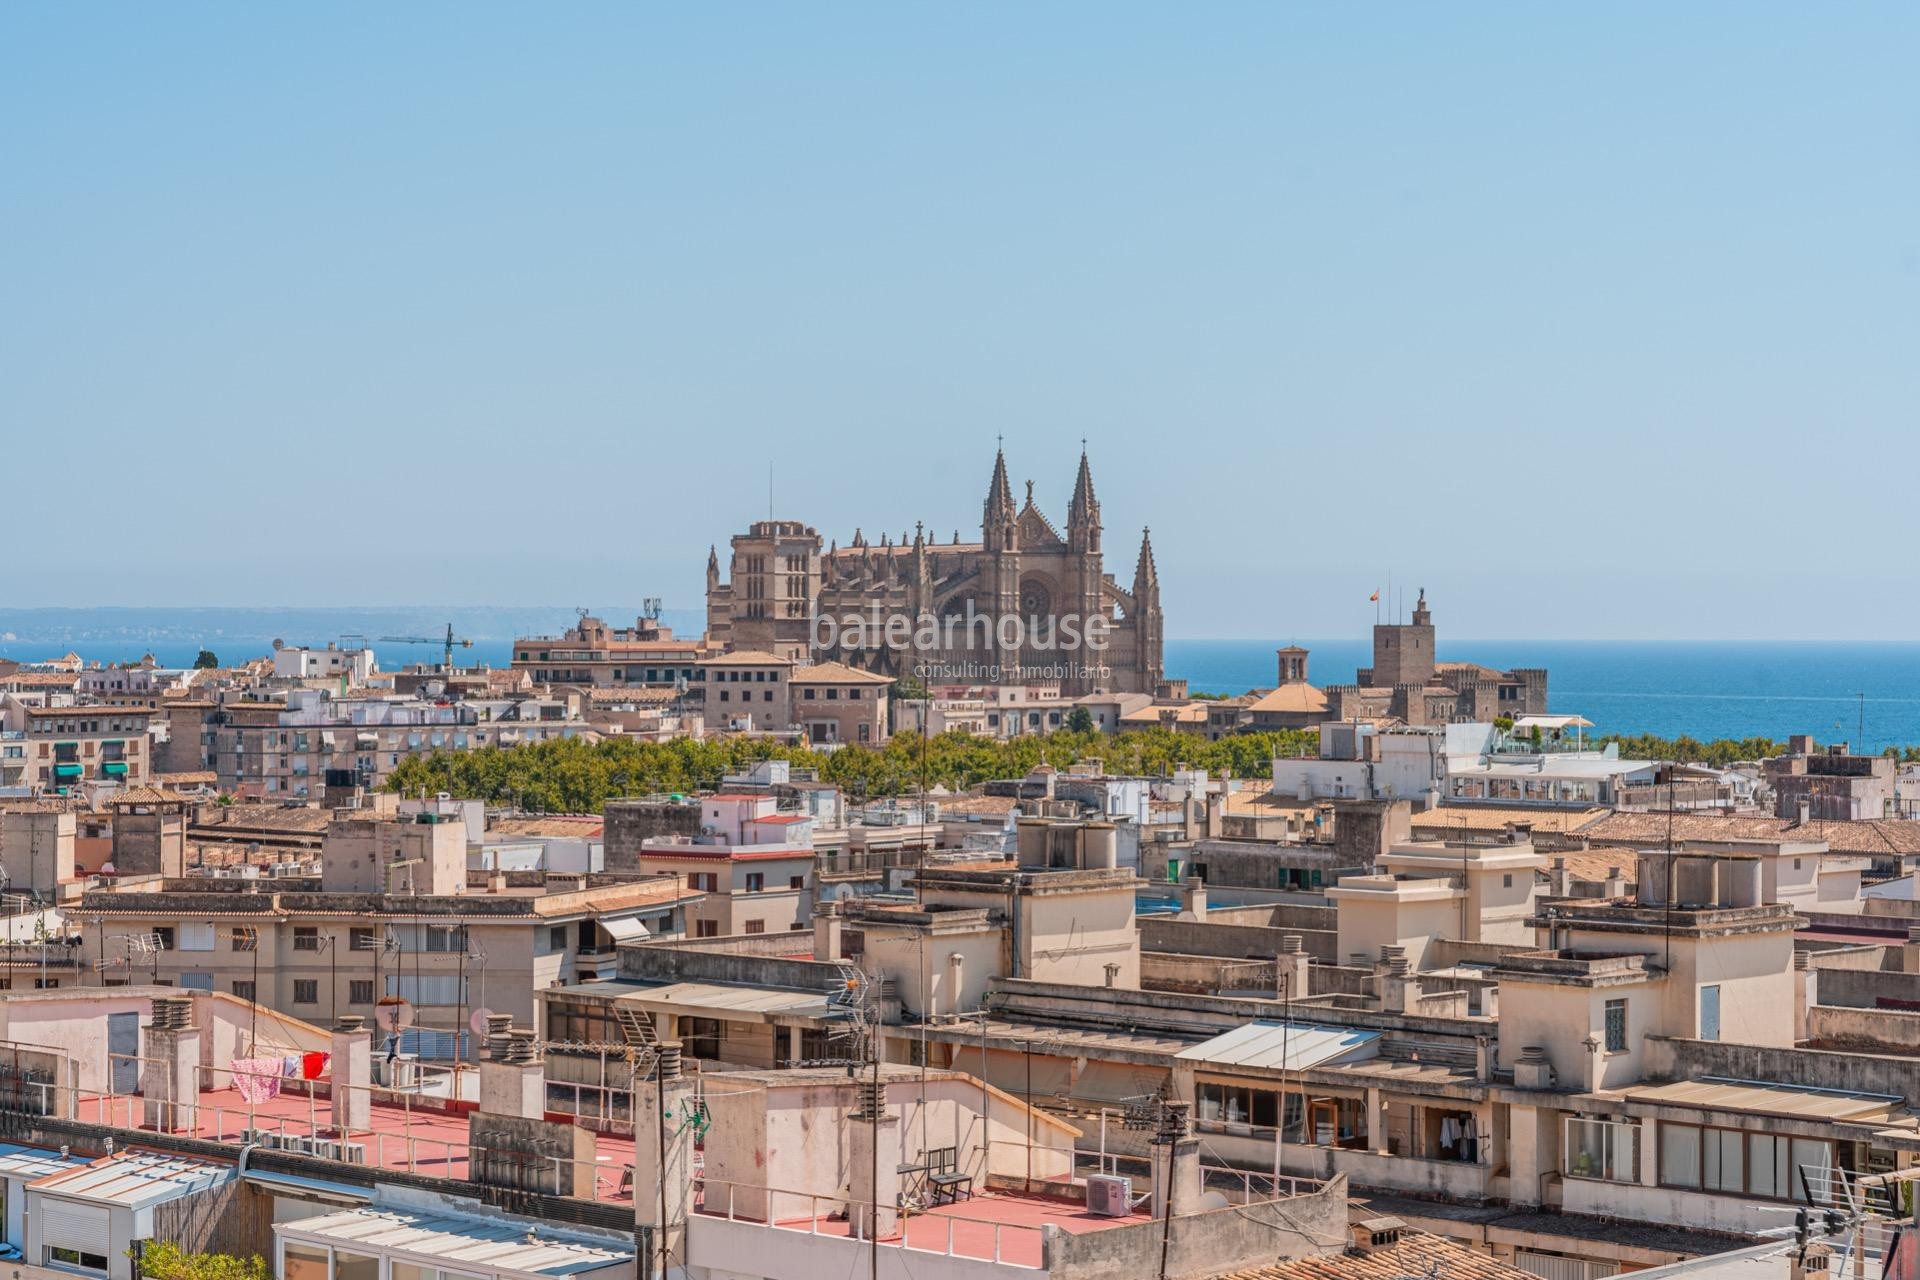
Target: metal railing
949	1235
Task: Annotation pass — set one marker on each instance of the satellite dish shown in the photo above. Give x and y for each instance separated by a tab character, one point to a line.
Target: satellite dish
478	1022
395	1013
1211	1201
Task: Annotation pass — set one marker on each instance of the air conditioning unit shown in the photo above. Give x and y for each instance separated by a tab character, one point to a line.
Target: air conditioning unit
353	1152
1109	1197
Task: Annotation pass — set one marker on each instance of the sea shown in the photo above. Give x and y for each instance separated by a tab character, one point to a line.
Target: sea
1864	693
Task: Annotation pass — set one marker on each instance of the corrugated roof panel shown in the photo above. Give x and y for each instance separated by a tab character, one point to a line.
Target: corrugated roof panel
1284	1046
1766	1098
455	1239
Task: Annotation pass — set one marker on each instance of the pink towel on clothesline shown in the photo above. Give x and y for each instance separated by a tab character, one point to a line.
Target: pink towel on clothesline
257	1079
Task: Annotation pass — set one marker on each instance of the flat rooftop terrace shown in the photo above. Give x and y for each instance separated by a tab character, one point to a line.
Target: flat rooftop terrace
992	1226
428	1139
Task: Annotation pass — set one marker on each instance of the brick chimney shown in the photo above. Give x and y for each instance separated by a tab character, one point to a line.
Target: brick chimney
827	924
673	1088
351	1074
513	1079
1399	989
1292	970
873	1159
1174	1154
170	1065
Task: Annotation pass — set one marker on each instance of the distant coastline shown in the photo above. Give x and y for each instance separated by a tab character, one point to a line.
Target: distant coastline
1705	689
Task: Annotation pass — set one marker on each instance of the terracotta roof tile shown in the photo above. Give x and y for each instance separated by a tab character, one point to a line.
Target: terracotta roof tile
1416	1254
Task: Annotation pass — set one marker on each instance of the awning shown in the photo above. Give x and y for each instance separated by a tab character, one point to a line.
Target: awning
624	928
1759	1097
1284	1046
728	1004
317	1189
114	769
66	771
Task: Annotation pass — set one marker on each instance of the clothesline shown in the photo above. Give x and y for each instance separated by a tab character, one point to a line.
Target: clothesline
258	1079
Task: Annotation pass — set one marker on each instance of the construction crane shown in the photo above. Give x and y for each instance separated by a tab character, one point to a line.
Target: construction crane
449	640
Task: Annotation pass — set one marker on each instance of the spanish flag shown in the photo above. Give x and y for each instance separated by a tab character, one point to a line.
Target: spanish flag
1374	598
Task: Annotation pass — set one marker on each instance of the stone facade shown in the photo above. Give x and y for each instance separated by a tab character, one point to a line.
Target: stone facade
781	583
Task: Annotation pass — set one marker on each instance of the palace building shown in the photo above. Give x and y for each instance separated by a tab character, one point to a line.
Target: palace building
1023	605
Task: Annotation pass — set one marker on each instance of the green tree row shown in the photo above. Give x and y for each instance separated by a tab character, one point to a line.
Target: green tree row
574	776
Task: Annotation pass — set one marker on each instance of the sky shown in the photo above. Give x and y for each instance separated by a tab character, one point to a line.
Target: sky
1595	321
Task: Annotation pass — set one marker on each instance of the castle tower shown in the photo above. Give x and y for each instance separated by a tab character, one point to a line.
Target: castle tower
1403	652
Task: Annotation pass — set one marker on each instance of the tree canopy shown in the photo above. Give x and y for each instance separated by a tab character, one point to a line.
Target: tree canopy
206	661
572	776
166	1260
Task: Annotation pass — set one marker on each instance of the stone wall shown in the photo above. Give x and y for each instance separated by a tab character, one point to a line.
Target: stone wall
1210	1244
1668	1058
630	822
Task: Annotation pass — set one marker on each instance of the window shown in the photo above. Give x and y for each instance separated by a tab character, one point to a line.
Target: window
796	882
360	939
360	991
306	991
1506	881
449	938
1766	1165
1710	1013
75	1260
305	939
164	936
243	989
1603	1149
756	926
756	882
557	938
706	929
1616	1026
701	1037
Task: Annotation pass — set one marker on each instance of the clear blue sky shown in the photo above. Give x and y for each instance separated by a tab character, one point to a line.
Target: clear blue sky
1596	320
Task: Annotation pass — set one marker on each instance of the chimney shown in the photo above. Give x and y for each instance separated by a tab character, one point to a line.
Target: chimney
1216	815
170	1065
1560	880
1292	970
1616	883
1534	1070
670	1088
1174	1154
351	1075
873	1155
1370	1235
1193	899
1398	987
513	1080
1806	991
1812	1261
956	981
827	923
1803	811
1910	952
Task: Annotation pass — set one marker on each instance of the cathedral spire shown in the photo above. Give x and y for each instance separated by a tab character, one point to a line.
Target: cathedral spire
997	524
1146	577
713	566
1083	511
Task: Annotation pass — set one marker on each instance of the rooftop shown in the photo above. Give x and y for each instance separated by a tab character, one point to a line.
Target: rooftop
484	1243
1415	1254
